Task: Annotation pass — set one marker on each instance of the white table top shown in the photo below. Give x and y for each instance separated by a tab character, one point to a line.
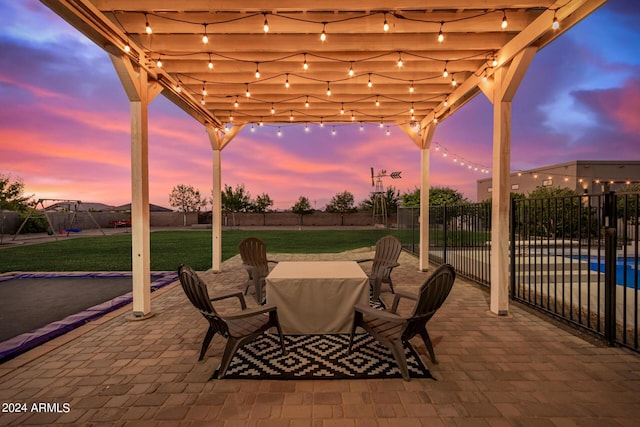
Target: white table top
317	270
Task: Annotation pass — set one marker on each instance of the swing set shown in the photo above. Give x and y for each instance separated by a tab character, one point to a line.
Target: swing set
42	213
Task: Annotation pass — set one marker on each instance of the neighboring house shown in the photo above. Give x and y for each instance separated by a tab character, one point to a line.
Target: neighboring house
583	176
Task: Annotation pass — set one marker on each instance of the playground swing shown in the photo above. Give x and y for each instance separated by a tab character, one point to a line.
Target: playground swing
34	213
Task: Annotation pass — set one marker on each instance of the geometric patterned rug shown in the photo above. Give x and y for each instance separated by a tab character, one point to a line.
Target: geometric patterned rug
320	357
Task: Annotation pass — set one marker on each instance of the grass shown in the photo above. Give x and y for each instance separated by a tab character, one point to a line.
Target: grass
170	248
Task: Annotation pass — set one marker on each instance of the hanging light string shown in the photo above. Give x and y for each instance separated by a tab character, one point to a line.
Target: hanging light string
440	151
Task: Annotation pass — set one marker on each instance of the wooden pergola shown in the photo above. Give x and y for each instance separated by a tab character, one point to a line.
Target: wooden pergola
408	63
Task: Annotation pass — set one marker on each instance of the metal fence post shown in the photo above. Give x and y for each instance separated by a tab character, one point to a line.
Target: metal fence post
512	254
444	230
610	239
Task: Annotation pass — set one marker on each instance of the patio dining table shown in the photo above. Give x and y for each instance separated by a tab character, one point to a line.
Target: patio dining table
317	297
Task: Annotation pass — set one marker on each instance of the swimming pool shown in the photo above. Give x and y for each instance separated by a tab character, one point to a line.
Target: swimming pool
623	265
37	307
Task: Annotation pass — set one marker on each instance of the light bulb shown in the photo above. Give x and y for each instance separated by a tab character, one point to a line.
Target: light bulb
127	48
306	128
279	132
385	26
146	23
377	102
353	118
305	66
328	89
400	63
286	82
230	117
265	26
257	72
412	109
253	129
342	109
440	33
202	101
210	65
323	36
236	104
159	63
205	39
306	103
504	21
333	131
435	120
351	72
446	102
445	73
178	88
555	24
453	81
388	131
291	117
369	82
361	127
494	62
204	91
247	93
411	88
273	110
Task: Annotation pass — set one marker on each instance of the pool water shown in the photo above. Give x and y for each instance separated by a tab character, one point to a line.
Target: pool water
623	265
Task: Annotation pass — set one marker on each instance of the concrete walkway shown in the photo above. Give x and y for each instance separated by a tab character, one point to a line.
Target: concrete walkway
518	370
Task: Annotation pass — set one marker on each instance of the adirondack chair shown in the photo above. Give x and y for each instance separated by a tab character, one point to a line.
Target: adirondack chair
394	330
238	328
253	252
384	261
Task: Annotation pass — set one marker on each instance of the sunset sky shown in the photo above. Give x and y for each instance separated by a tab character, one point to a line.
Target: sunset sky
64	122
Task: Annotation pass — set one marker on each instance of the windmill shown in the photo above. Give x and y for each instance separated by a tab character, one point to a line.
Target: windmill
379	202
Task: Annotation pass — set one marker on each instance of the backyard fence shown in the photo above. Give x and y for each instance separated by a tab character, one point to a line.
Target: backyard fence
574	258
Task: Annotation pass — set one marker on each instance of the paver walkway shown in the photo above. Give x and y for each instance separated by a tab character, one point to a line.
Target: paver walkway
519	370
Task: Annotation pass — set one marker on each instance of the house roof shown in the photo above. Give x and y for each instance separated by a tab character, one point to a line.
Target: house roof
474	44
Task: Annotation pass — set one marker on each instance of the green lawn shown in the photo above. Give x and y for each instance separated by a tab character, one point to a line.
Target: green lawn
170	248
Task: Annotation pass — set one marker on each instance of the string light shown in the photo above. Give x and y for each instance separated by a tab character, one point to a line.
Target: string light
440	33
411	87
230	116
353	118
369	84
445	73
202	101
147	26
265	26
504	20
210	65
446	101
460	160
306	127
400	63
306	103
159	62
286	82
305	65
323	36
361	127
381	123
351	72
321	122
273	110
257	70
377	101
178	88
453	81
247	93
127	48
279	131
328	89
204	90
342	109
253	129
388	131
385	26
205	38
411	110
555	25
333	131
236	104
291	116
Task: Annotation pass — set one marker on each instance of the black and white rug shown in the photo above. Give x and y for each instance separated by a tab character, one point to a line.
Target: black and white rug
320	357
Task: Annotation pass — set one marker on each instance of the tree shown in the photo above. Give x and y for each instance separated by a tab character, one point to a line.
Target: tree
262	203
302	207
438	196
341	203
12	196
391	200
552	212
238	200
186	198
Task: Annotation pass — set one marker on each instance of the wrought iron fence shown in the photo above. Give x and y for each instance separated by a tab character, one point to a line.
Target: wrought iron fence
575	258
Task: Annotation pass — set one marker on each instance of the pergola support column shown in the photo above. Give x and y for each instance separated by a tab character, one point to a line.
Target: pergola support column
506	80
423	141
140	92
218	141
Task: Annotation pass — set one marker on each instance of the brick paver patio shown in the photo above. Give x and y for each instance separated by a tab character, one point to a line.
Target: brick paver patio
518	370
